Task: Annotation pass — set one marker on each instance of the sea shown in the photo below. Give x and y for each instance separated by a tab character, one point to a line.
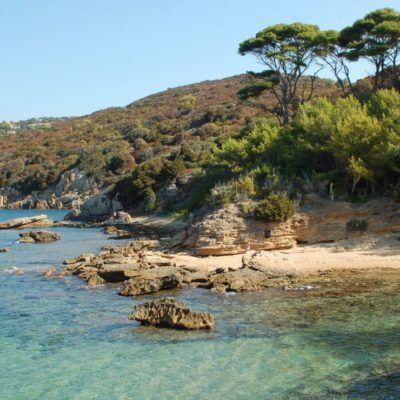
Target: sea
60	340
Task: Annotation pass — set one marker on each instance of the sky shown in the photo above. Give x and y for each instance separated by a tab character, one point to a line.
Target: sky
73	57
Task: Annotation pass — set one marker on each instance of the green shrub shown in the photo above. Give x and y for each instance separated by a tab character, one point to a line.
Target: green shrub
357	225
245	187
222	193
277	207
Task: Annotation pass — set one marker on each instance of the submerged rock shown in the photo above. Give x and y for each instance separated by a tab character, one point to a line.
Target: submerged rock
4	250
171	313
50	272
39	237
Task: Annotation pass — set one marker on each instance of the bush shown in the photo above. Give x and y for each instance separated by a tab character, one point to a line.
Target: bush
277	207
245	187
357	225
222	193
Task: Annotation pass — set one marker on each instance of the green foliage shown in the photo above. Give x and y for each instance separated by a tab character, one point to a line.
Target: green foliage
357	225
277	207
139	189
350	143
375	38
239	155
222	193
288	51
362	145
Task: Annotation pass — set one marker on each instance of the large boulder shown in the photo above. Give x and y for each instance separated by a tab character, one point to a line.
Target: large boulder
99	207
39	237
170	313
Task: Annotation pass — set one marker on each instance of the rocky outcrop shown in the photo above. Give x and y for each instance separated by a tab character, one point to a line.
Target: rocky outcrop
171	313
26	222
72	190
229	231
3	201
39	237
143	271
100	207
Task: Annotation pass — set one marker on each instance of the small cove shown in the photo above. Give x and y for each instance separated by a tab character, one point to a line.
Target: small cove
60	340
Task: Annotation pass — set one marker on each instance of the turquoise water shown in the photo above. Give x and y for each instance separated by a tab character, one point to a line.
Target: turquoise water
60	340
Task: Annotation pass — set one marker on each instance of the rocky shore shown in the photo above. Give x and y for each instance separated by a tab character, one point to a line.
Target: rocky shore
225	251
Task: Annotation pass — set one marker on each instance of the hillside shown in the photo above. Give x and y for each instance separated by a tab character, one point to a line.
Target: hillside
177	126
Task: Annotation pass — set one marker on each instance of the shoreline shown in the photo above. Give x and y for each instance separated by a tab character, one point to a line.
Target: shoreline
141	267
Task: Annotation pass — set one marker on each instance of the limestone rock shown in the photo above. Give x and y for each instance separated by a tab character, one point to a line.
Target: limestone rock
95	280
98	207
26	222
3	201
151	281
118	272
50	272
39	237
120	233
170	313
244	280
228	231
271	263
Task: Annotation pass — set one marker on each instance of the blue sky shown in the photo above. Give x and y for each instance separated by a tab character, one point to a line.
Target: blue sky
73	57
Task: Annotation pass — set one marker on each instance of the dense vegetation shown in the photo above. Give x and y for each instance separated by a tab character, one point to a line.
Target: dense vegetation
110	143
347	146
266	136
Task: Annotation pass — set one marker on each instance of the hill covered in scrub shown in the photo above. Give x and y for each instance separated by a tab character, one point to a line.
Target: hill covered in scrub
164	132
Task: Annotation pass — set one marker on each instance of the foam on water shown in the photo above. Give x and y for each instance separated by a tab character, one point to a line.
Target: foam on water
59	340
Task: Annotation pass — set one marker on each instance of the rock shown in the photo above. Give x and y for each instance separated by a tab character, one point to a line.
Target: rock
170	313
110	230
121	217
151	281
244	280
120	233
228	231
273	264
95	280
99	207
50	272
118	272
26	222
3	201
39	237
4	250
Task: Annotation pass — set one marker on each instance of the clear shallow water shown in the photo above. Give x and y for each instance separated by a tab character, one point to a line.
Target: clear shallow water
60	340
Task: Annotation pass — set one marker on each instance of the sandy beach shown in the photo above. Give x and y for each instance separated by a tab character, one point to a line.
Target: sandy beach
359	253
